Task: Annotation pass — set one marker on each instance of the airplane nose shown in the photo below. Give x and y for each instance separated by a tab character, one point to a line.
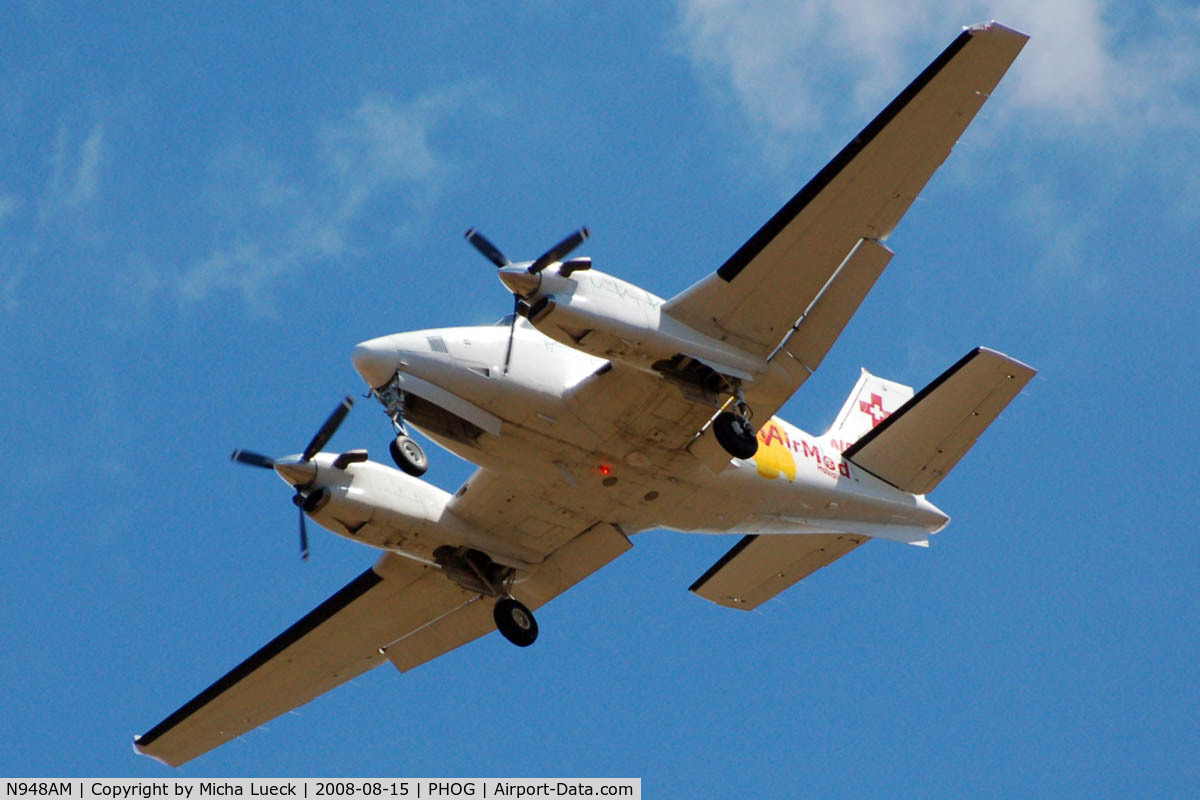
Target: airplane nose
376	361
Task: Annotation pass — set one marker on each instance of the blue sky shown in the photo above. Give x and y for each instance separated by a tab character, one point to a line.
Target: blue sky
203	208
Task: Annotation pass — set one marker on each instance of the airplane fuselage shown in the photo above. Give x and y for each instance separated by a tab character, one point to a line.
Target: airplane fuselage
796	483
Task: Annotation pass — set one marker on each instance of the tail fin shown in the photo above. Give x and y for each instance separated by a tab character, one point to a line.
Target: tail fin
922	441
871	401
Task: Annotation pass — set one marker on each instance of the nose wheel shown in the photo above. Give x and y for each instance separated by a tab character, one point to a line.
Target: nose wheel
408	455
515	622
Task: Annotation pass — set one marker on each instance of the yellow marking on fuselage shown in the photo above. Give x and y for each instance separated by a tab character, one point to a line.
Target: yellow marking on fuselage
774	456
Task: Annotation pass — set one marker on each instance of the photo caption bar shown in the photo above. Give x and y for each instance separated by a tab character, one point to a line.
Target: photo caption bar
305	788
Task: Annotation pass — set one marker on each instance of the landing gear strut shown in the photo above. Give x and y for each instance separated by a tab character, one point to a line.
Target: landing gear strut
515	622
734	430
408	455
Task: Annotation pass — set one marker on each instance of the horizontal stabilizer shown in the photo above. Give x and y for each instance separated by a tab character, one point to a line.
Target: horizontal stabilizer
917	445
760	567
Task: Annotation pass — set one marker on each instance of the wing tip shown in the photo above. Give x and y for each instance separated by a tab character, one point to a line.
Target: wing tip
141	750
1020	368
996	29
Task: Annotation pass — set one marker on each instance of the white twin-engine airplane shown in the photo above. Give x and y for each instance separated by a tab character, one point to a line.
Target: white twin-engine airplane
599	410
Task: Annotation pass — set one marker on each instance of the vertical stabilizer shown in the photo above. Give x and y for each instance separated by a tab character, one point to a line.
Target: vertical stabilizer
871	401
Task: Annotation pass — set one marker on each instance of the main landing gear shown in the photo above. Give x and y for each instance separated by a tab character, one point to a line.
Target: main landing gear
408	455
476	572
734	430
515	622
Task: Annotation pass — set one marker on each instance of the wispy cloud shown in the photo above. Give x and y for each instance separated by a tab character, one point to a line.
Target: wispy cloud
792	67
75	171
1099	106
9	268
8	205
275	220
57	212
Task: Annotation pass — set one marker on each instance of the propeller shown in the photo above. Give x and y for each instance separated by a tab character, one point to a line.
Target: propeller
324	434
559	250
556	253
489	250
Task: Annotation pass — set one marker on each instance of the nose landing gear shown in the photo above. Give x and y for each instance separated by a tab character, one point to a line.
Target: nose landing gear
408	455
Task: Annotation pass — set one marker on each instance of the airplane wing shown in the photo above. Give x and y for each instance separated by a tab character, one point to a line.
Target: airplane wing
760	567
788	292
399	610
338	640
803	274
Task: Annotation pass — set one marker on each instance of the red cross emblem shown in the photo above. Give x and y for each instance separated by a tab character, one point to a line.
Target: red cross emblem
874	409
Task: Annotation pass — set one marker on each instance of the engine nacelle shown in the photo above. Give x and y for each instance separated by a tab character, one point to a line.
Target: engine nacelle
383	507
609	318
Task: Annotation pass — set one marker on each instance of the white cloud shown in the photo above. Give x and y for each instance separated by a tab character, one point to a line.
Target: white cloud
75	172
8	205
10	271
276	220
72	187
1103	103
792	67
87	177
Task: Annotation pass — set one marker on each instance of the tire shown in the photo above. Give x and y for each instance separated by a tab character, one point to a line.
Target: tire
515	622
735	434
408	455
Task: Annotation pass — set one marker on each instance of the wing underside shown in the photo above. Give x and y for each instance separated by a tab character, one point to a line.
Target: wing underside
821	252
338	640
399	610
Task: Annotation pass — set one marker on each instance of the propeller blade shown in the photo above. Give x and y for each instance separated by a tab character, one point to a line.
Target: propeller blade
303	536
253	459
328	429
559	250
512	329
489	250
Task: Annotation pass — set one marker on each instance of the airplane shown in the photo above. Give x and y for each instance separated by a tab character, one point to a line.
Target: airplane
597	410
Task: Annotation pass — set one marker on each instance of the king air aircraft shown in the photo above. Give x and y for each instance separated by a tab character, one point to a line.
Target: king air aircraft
599	410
